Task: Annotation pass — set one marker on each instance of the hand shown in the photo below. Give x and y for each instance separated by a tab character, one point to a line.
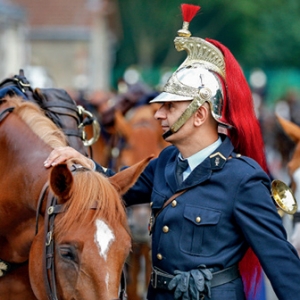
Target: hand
62	154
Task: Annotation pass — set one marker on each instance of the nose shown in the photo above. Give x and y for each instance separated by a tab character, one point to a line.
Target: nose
160	113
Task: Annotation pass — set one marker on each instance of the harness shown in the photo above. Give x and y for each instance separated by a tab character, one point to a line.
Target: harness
59	107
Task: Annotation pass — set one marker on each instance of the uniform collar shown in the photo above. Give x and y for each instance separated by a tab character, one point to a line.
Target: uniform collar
200	156
215	161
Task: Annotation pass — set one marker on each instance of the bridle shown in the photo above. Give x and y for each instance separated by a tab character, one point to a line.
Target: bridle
53	209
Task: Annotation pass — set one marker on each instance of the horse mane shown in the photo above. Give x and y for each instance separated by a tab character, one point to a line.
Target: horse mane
91	187
39	123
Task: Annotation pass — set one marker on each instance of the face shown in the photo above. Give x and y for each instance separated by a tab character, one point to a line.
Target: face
88	261
168	114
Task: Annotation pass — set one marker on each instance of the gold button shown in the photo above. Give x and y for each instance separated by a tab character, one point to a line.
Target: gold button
159	256
174	203
165	229
198	219
151	203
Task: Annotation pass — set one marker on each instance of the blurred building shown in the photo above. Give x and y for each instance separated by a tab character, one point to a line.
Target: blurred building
12	38
71	42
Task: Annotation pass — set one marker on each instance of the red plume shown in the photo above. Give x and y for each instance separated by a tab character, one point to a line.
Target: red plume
189	11
246	138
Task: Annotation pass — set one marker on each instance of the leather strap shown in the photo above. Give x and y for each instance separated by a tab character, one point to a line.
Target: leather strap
153	217
161	279
5	113
169	201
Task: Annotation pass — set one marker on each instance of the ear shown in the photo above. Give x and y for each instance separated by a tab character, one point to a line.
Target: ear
291	129
61	182
201	115
121	125
126	178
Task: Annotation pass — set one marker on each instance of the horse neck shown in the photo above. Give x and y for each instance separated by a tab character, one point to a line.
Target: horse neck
22	156
22	177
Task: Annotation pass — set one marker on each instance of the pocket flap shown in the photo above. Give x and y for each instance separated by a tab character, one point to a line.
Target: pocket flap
201	216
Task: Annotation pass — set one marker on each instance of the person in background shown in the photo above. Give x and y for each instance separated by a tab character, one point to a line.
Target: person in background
214	222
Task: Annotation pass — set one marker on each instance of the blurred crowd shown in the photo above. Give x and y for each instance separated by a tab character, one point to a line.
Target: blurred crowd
278	146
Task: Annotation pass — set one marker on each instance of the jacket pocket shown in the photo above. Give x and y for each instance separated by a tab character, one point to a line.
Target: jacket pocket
199	233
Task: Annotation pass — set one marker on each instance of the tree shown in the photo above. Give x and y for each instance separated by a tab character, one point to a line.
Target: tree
259	33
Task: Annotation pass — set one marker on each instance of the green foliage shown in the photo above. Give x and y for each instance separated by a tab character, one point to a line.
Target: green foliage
262	33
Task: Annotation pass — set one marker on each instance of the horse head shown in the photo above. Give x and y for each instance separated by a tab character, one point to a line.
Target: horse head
142	135
90	236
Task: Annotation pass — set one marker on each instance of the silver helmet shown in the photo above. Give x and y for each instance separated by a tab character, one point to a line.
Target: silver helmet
198	79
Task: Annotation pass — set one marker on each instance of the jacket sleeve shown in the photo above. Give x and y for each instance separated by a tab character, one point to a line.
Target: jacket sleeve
141	190
257	216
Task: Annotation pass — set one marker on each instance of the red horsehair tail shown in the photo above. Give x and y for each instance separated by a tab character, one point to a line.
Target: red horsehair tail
189	11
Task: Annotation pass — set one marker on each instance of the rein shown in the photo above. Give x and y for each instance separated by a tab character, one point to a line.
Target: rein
52	209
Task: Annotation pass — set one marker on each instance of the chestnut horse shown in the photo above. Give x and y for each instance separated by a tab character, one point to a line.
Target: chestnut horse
80	253
292	130
142	136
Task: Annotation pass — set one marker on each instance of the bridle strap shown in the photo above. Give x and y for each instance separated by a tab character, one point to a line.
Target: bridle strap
5	113
48	253
39	206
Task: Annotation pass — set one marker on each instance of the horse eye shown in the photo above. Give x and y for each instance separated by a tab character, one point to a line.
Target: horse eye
68	253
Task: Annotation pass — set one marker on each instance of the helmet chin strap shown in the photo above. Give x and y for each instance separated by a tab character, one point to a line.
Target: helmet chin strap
190	110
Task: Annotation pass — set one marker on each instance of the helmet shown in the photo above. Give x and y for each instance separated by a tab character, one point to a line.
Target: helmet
200	78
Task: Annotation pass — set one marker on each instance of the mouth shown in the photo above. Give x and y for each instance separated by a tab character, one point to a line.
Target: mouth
164	128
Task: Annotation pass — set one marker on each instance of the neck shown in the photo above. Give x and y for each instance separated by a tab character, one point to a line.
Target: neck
188	149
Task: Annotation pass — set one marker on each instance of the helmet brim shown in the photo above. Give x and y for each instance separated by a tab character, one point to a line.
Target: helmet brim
168	97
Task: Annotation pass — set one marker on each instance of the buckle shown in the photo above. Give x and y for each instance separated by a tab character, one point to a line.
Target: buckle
154	279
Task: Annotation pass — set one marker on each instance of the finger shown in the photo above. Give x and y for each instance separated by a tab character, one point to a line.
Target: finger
208	287
186	296
194	294
207	273
60	155
51	158
184	282
177	294
173	283
198	279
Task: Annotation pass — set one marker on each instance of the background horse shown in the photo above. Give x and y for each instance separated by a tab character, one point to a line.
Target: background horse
293	132
90	240
139	135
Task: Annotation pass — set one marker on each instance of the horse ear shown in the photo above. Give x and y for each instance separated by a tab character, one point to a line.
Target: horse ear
121	125
126	178
290	128
61	181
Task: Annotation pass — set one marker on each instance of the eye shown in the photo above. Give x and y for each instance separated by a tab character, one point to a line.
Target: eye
170	105
68	253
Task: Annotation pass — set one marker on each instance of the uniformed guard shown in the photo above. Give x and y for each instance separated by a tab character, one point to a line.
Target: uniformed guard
213	214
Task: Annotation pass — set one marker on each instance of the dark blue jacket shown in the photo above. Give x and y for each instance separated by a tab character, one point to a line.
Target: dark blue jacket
232	197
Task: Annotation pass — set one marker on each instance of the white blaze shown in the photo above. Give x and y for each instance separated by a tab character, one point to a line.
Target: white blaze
103	238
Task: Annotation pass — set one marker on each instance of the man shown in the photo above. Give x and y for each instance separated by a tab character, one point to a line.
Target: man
221	205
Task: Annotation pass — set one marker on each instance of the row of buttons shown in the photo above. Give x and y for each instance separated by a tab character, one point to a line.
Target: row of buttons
166	229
